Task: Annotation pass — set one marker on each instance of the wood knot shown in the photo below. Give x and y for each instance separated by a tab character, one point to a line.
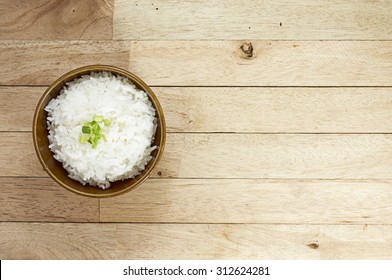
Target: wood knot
313	245
247	49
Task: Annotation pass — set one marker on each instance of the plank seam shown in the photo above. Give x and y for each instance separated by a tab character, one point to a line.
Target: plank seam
370	180
201	223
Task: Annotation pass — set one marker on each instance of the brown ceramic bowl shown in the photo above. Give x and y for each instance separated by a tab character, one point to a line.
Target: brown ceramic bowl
55	168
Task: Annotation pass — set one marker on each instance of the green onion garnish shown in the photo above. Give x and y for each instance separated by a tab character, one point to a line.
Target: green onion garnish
86	129
91	131
95	127
106	122
98	118
83	139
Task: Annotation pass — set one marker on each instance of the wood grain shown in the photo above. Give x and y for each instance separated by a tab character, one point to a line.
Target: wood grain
263	63
252	201
222	63
41	199
42	62
17	107
17	157
277	110
243	109
56	20
311	156
160	241
193	241
57	241
321	156
237	20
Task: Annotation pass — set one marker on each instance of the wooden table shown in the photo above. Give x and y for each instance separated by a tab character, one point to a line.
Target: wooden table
279	118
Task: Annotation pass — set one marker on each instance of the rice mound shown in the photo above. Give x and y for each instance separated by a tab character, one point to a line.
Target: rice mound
129	135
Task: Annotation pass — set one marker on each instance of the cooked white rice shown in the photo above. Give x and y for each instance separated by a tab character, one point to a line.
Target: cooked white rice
129	136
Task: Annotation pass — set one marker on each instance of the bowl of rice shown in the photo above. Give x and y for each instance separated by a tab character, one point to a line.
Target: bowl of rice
99	131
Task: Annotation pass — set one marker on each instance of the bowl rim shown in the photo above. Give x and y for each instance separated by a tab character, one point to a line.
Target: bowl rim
98	68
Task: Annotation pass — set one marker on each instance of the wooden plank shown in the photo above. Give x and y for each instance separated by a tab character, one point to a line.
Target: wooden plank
222	63
56	20
176	241
277	110
237	20
41	199
193	241
310	156
252	201
57	241
17	157
42	62
263	63
270	110
18	106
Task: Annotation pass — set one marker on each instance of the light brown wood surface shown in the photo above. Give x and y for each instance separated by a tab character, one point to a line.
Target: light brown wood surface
211	200
40	199
57	241
194	241
270	63
279	140
42	62
253	201
58	19
206	63
256	19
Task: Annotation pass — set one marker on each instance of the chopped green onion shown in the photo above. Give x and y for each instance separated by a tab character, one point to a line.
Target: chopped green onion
106	122
86	129
92	131
96	128
83	139
98	118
